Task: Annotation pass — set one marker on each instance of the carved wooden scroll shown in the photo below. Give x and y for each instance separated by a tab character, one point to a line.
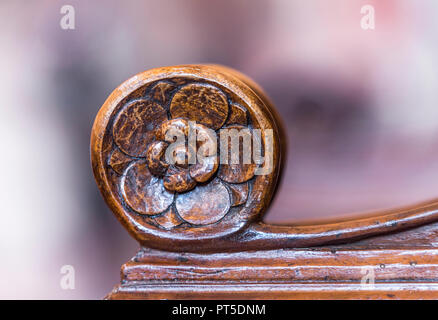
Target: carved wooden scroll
164	156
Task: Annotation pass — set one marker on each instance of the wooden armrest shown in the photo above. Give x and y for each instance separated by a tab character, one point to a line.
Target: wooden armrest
189	158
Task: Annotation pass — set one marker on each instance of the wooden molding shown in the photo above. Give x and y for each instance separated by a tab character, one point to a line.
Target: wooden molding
200	224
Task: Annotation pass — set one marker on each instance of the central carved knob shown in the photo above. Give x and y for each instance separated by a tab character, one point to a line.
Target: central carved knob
167	154
174	155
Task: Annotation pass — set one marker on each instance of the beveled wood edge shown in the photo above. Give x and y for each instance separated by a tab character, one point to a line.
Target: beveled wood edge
285	266
283	291
323	273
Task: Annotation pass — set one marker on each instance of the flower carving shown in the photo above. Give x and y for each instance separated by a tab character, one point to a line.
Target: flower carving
166	181
183	175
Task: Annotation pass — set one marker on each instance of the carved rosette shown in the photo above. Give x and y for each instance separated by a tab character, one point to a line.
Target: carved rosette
193	193
197	198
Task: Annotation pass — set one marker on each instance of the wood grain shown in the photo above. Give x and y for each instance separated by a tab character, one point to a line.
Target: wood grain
200	224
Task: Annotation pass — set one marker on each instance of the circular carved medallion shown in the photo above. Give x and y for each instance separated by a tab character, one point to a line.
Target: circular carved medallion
186	153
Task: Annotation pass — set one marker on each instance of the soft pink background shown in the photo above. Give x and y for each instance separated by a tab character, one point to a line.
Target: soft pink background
360	107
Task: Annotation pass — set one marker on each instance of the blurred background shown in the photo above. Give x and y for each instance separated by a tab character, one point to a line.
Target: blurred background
360	108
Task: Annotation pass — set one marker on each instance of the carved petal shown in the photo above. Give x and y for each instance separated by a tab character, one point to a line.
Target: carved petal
154	157
237	115
201	172
202	103
144	192
134	126
206	141
172	128
205	204
169	219
119	161
178	179
179	154
239	193
160	92
237	172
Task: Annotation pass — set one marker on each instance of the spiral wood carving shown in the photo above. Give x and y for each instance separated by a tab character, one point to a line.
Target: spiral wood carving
208	205
185	201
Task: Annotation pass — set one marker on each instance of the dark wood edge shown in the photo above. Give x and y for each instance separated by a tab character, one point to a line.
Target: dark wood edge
295	291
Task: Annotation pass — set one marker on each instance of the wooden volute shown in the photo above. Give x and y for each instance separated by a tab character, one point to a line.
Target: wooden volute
190	205
187	206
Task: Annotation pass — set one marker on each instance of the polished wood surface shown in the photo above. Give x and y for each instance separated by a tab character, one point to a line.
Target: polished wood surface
200	225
